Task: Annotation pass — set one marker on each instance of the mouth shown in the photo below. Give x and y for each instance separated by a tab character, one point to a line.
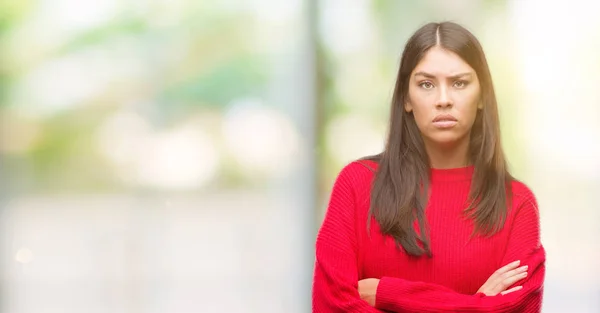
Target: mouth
445	121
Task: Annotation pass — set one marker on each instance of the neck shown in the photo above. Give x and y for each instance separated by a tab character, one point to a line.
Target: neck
448	156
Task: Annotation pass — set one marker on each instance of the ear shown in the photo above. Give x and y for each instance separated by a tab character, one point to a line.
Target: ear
408	107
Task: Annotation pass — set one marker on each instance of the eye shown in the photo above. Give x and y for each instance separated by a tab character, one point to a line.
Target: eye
426	85
460	84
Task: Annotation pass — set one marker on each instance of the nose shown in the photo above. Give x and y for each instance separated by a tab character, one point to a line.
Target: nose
443	100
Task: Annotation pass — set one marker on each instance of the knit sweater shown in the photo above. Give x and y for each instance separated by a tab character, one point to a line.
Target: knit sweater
448	281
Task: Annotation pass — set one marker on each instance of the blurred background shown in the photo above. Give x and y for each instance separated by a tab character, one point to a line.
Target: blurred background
176	156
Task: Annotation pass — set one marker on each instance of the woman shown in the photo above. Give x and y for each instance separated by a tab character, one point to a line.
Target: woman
435	223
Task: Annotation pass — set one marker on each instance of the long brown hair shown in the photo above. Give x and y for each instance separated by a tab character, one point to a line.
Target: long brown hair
400	189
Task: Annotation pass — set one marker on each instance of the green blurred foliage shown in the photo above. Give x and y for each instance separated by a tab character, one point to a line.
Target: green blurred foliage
238	77
216	63
11	12
203	62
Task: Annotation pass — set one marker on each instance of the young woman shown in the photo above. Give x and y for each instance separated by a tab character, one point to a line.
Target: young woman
435	223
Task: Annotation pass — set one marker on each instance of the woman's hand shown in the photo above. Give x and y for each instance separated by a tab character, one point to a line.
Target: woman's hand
503	278
367	288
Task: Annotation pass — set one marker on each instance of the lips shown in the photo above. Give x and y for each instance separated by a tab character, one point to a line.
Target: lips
445	121
445	118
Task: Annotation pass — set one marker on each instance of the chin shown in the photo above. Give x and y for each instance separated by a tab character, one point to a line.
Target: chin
447	143
446	140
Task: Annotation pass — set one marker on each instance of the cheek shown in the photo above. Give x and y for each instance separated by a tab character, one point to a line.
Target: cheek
421	118
470	115
419	110
469	110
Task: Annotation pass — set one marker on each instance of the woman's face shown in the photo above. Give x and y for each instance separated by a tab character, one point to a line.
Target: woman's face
443	96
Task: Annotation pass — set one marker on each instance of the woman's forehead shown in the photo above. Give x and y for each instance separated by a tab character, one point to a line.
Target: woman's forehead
440	62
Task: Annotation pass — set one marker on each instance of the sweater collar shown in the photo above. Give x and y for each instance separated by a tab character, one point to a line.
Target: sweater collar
452	174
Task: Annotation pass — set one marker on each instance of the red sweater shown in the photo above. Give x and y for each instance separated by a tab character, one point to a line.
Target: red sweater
446	282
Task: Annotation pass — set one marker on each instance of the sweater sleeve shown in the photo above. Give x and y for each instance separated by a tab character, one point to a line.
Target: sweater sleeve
524	244
335	283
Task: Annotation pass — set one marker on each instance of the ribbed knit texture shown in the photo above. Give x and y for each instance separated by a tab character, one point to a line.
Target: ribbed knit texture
448	281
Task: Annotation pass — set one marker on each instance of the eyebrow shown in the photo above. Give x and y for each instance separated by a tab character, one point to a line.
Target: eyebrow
428	75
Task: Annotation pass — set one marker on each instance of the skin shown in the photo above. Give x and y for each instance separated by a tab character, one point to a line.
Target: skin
443	83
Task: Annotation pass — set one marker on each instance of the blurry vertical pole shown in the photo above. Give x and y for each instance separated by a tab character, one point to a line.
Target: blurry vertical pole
9	186
3	258
308	125
297	97
314	130
3	195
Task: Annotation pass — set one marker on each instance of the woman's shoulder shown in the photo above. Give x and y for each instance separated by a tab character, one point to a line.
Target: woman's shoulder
523	198
359	170
521	190
358	175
